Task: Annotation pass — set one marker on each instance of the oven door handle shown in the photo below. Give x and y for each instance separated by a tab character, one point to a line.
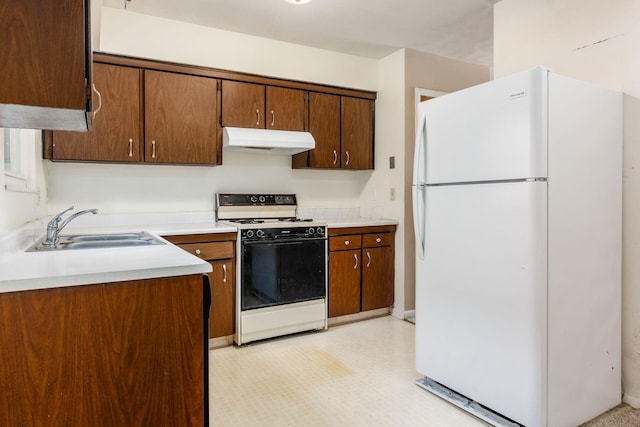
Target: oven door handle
283	242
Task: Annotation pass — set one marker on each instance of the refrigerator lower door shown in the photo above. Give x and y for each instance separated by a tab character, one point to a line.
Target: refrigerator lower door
480	295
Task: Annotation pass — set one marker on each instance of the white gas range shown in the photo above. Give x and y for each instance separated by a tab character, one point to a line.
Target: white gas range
281	266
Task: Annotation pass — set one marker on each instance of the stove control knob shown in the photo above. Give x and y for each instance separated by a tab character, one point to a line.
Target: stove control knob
249	233
254	199
260	233
262	199
320	230
311	230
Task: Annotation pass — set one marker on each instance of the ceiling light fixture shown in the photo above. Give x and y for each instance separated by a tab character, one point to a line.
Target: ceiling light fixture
298	1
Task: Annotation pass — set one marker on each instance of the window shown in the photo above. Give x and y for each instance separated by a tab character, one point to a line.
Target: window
19	159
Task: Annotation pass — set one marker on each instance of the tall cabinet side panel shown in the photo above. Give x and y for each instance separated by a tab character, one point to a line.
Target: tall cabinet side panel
584	254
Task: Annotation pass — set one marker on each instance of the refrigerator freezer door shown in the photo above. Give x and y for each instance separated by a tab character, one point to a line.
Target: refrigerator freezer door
494	131
480	293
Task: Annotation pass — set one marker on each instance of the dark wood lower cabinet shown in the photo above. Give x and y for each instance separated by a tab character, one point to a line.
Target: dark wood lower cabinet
219	250
223	296
377	274
111	354
361	269
344	274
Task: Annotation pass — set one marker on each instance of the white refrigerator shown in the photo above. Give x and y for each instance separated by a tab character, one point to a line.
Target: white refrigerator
517	197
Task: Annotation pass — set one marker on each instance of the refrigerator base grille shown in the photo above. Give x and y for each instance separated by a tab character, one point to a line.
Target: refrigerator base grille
472	407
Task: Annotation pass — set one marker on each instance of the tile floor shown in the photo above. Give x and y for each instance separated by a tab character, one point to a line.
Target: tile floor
359	374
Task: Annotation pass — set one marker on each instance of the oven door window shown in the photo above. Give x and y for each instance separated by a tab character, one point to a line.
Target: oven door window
275	273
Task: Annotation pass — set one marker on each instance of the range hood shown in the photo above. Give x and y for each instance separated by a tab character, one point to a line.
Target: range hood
267	140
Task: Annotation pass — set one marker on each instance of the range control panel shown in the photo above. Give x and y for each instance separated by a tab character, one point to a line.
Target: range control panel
256	200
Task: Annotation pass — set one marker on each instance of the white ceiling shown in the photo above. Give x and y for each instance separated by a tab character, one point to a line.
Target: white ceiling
459	29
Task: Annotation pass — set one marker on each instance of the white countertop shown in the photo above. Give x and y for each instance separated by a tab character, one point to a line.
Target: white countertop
20	270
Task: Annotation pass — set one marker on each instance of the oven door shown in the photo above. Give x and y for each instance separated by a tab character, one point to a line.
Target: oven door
276	272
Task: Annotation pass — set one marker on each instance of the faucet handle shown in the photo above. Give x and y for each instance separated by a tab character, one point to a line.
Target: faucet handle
58	216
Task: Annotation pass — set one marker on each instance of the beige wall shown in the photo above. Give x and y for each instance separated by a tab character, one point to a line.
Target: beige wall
145	188
18	208
438	74
596	41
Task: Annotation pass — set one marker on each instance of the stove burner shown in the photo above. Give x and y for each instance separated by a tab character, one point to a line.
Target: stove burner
248	221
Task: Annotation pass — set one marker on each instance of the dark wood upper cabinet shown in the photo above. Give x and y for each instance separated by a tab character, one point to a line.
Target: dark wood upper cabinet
249	105
45	64
324	125
162	112
180	118
147	116
357	133
286	109
342	127
117	128
242	104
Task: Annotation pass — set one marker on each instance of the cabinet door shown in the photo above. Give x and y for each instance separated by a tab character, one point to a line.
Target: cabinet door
286	109
117	127
45	64
222	316
377	277
344	282
324	125
242	104
357	133
180	118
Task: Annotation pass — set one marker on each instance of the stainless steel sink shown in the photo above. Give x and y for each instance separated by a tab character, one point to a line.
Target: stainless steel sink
94	241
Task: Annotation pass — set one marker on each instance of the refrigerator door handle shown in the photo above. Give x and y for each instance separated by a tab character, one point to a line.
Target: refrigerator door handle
420	154
418	189
419	217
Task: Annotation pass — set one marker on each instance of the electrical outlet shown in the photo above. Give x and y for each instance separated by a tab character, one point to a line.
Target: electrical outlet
392	193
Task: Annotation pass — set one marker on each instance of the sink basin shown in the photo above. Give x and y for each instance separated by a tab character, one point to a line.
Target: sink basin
96	241
104	237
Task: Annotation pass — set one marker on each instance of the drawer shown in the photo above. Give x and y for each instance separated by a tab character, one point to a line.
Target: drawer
377	239
210	251
341	243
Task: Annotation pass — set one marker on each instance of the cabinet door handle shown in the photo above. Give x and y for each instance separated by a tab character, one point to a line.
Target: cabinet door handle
93	86
355	256
130	147
197	251
224	273
273	118
348	157
346	243
153	149
335	157
368	259
378	240
257	117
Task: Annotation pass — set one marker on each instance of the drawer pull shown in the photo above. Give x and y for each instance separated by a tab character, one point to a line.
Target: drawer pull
346	243
378	240
197	251
224	273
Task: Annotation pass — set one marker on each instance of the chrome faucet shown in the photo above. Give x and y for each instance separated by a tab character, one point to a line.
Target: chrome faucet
54	227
